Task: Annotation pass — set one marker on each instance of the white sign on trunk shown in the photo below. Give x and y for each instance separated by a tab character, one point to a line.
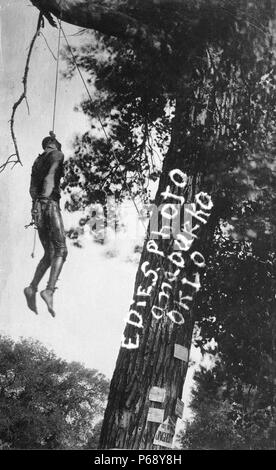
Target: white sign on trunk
180	352
179	408
165	434
155	415
157	394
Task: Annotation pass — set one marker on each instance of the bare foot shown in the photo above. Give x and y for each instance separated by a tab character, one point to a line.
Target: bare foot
30	294
48	296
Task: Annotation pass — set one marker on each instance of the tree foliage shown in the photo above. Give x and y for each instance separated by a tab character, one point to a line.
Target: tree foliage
218	76
45	402
234	402
223	416
222	62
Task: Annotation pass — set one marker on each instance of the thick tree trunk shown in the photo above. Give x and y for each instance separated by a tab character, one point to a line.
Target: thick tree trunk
153	363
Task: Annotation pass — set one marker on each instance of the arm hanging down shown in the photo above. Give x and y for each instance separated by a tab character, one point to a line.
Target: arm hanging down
33	188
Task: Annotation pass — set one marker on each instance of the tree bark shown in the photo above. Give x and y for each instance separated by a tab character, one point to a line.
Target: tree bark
153	363
93	14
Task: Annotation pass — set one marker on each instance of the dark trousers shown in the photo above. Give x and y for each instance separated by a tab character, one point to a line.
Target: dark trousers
49	223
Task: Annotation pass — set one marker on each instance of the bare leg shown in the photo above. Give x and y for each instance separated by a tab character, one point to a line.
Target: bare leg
47	294
41	269
57	237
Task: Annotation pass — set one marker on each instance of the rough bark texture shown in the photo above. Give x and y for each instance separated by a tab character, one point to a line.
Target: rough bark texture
153	363
93	14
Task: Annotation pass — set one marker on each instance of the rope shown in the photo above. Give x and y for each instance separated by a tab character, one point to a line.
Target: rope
54	119
100	121
56	81
34	244
32	224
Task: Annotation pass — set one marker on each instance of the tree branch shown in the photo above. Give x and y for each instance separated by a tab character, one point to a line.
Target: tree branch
92	14
22	97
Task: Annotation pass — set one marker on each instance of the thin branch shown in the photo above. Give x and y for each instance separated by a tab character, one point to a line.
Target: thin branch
79	33
47	44
22	97
9	161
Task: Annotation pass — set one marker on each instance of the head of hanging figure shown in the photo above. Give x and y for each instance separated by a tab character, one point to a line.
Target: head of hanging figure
51	142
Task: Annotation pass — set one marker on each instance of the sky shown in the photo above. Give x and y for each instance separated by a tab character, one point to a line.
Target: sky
95	289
